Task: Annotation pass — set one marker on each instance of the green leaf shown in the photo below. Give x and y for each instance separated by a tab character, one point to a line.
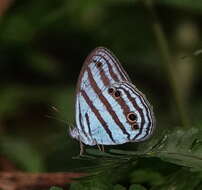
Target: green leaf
119	187
96	152
182	147
136	187
125	152
146	176
181	180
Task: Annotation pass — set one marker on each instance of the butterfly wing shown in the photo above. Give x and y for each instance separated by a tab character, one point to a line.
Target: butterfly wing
101	118
103	66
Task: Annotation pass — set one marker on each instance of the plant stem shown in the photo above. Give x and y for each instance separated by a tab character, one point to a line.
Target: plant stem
167	61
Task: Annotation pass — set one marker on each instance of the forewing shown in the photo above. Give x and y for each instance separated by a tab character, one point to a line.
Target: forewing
100	70
103	66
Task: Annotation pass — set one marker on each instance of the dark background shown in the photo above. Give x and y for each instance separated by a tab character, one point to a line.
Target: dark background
42	47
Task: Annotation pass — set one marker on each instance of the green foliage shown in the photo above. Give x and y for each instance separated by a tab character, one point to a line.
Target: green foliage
181	147
180	180
43	64
91	185
55	188
186	4
119	187
22	153
136	187
146	176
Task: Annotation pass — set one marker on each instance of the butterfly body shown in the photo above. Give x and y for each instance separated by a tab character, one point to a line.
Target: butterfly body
110	110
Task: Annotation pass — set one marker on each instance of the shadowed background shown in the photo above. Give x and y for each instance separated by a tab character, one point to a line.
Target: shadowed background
42	47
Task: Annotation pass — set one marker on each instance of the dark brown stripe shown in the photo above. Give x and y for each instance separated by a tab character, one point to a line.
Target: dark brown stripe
123	105
132	100
106	103
81	124
97	114
88	123
118	65
147	130
149	124
115	63
120	100
104	78
112	73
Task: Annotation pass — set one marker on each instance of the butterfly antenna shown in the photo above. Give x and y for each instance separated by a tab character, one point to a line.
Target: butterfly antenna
56	110
52	117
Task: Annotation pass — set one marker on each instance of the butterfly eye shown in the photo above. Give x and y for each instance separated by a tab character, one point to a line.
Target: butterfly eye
117	94
132	117
110	90
135	126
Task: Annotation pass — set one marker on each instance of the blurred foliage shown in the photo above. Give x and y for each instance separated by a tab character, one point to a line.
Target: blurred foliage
182	148
56	188
22	153
42	47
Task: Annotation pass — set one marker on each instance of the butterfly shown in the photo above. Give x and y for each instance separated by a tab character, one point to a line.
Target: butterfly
109	109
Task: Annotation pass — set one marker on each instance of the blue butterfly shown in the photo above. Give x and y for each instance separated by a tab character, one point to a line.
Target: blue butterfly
110	110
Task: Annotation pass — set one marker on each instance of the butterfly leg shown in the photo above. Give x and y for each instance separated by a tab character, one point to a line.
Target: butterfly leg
81	148
100	149
103	148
